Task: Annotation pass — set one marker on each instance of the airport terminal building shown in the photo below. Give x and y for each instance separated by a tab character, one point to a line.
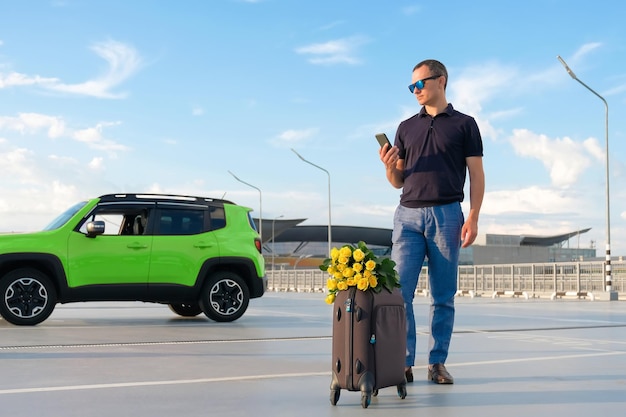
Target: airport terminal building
288	242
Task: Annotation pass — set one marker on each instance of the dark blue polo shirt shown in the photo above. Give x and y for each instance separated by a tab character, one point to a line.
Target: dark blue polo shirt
434	151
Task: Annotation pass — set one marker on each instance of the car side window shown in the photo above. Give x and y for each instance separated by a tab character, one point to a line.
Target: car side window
180	222
119	220
113	223
218	218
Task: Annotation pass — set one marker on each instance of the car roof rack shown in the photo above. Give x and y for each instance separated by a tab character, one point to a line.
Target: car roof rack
161	197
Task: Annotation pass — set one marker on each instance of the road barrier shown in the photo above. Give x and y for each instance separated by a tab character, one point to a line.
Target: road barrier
554	280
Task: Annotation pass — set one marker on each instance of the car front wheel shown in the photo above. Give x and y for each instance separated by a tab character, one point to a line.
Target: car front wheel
225	297
27	297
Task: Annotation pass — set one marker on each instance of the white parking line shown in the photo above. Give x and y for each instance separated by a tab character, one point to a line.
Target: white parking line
541	358
154	383
164	343
276	376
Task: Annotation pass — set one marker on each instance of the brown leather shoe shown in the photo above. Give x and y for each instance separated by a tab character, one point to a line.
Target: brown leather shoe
439	375
408	374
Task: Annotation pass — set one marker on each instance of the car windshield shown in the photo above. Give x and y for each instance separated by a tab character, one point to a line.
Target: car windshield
65	216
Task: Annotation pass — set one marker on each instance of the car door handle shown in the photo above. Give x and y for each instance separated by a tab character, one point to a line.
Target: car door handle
202	245
136	245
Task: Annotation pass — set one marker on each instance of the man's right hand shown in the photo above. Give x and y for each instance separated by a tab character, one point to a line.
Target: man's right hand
394	166
389	156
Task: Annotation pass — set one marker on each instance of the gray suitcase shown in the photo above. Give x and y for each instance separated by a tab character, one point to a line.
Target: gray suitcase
369	343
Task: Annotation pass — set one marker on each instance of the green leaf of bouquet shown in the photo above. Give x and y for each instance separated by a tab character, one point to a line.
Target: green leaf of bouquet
324	266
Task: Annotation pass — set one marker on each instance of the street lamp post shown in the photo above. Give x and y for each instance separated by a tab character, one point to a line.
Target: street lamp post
613	296
260	205
299	259
330	239
273	252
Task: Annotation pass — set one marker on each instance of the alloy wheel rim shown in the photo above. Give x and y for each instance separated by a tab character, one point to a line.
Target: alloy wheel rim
226	297
26	298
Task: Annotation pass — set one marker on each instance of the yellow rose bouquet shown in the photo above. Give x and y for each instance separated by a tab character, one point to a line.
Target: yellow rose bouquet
358	267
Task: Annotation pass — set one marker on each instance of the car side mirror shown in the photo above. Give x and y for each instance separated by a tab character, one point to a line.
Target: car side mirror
95	228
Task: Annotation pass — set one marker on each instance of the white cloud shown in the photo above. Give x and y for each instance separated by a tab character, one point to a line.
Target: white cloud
592	146
17	164
537	227
93	135
96	164
577	60
62	160
564	158
55	127
29	123
16	79
373	210
155	188
293	137
123	60
533	211
32	194
615	90
478	84
197	111
585	50
532	199
36	188
339	51
94	138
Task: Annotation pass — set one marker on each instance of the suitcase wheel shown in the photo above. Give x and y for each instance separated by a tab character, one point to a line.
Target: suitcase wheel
402	391
334	396
366	399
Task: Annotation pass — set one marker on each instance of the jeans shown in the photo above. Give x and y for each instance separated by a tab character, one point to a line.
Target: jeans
432	233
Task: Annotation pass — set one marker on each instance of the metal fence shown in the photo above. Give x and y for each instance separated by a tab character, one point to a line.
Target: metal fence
580	279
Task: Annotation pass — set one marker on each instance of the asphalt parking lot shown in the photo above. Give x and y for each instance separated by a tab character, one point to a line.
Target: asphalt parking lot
509	356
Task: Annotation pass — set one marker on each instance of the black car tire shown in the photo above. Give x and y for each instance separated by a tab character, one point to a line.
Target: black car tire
27	297
225	297
186	309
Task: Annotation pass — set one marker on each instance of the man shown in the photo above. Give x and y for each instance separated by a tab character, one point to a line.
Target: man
429	159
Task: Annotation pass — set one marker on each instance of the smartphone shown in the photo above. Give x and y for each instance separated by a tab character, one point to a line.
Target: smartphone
382	139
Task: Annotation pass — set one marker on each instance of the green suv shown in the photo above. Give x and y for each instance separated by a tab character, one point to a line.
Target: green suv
198	255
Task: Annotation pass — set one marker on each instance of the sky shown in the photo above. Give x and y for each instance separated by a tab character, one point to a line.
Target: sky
209	97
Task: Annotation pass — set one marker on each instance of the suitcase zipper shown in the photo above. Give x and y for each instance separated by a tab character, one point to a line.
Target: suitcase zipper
349	304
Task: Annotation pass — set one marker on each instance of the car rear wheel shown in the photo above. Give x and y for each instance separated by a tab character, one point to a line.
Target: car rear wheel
186	309
27	296
225	297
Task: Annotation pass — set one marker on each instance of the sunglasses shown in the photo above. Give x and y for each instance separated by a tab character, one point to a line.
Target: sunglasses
419	84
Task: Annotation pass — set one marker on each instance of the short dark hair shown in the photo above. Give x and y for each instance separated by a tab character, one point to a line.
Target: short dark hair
435	67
